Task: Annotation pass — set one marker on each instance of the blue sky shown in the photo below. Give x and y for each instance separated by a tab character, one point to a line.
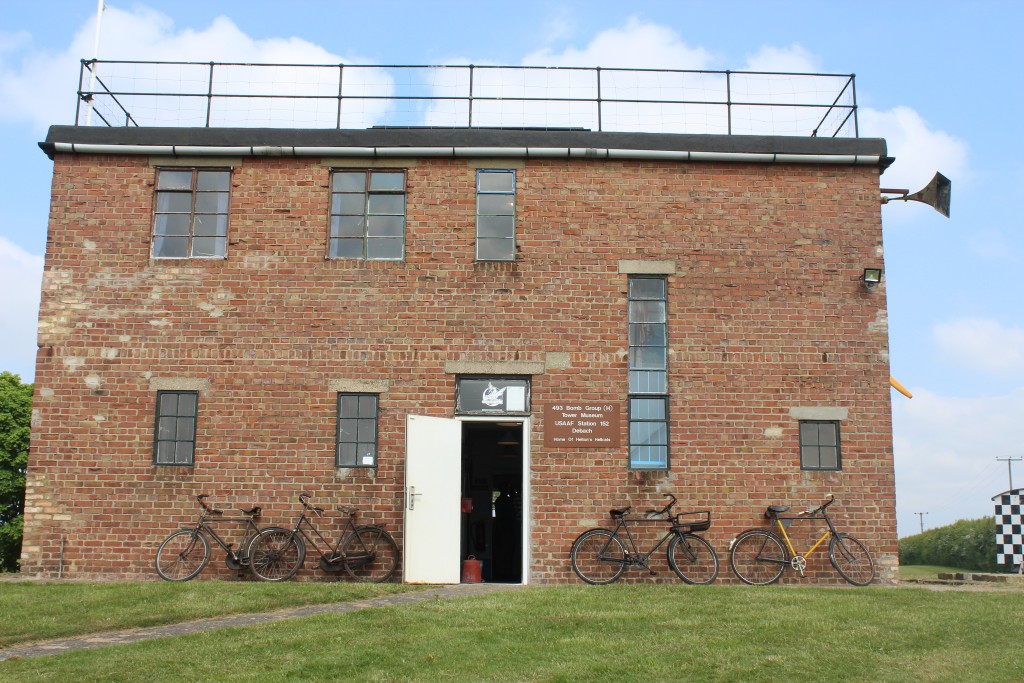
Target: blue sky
939	80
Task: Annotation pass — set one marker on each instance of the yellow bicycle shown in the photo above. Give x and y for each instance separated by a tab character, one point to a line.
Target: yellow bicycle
760	556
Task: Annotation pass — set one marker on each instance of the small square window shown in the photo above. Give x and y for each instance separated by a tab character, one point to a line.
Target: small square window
367	215
174	440
819	445
191	218
356	442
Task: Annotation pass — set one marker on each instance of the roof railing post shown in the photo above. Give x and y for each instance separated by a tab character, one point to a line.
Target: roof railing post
341	77
470	122
853	89
728	101
78	104
600	105
209	96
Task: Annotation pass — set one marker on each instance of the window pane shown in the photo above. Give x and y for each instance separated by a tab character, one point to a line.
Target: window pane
647	334
348	182
496	226
808	434
165	453
387	204
648	457
496	181
170	247
647	408
213	181
496	205
384	248
167	428
809	456
385	226
347	430
172	224
826	434
368	406
168	404
187	404
347	226
347	248
211	225
211	202
348	406
346	454
367	431
367	453
174	202
648	382
829	457
183	453
646	288
174	180
491	249
348	204
209	246
381	181
186	429
648	358
646	311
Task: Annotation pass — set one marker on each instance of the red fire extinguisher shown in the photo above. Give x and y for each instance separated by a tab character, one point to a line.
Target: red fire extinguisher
471	570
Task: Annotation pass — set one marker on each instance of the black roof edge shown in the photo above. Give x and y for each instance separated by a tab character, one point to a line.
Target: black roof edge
462	137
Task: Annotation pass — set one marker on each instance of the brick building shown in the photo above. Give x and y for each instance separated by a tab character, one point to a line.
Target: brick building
400	319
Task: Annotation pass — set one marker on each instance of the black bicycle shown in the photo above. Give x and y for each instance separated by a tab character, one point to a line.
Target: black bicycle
183	554
600	556
366	552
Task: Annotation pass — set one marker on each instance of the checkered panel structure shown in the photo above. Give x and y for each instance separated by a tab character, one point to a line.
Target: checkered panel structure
1010	528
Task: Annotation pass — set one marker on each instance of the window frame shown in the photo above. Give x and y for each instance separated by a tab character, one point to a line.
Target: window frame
158	416
481	173
359	395
838	446
634	392
195	194
334	222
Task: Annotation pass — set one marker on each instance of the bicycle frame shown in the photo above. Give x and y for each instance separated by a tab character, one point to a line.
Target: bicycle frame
799	561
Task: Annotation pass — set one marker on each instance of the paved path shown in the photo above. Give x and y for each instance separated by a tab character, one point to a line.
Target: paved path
85	642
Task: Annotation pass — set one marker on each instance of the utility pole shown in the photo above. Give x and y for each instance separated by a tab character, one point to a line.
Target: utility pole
1009	467
920	517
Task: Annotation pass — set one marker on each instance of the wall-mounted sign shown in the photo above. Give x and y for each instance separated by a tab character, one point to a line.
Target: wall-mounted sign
581	424
492	396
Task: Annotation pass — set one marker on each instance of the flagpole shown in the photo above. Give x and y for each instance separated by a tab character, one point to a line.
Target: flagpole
95	56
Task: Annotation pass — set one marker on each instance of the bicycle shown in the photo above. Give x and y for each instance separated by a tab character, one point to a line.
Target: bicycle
185	553
599	556
365	553
760	556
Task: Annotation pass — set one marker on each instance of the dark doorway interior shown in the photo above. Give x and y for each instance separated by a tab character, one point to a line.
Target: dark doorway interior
492	492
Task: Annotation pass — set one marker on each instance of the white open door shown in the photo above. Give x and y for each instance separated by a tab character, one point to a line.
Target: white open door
433	490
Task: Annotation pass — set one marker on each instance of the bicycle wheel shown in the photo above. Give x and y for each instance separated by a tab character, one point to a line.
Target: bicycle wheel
182	555
371	555
692	559
851	559
276	555
246	553
758	557
598	556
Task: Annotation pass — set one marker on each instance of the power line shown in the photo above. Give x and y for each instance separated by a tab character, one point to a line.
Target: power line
920	517
1009	467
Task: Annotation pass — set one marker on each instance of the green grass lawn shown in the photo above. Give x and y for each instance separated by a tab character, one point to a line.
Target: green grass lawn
590	633
928	571
42	611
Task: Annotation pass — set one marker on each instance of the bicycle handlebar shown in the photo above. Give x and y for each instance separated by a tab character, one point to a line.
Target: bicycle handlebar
206	508
304	499
816	510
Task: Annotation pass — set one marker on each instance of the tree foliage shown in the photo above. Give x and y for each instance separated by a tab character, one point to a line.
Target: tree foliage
15	425
967	544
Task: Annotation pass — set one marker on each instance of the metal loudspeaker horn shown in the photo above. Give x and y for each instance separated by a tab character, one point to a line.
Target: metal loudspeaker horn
935	194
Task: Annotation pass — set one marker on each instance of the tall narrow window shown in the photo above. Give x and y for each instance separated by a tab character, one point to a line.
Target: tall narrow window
496	215
357	430
191	213
174	442
819	445
648	373
367	215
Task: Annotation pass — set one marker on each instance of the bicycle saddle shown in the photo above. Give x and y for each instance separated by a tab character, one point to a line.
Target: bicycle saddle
619	513
253	510
775	510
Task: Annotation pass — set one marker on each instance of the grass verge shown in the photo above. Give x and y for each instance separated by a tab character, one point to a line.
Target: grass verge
619	633
928	571
42	611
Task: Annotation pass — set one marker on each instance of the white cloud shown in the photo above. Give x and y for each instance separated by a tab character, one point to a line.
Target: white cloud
41	85
20	278
946	450
980	344
792	59
637	45
919	150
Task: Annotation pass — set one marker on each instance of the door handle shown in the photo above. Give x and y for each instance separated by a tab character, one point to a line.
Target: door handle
412	497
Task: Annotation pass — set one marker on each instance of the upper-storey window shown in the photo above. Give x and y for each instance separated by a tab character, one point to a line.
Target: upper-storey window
191	213
367	214
495	215
819	445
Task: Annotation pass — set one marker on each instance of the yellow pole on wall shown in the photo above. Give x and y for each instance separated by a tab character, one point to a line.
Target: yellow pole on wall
899	387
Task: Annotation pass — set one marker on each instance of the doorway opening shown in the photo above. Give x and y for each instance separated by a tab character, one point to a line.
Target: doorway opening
492	494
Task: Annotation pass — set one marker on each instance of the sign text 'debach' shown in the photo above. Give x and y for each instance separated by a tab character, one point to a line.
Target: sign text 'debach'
580	424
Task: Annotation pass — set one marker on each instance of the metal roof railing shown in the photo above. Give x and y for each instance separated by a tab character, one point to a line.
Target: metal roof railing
224	94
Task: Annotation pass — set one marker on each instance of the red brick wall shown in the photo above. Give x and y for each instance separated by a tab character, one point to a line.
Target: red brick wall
766	313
